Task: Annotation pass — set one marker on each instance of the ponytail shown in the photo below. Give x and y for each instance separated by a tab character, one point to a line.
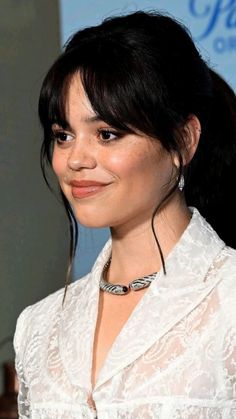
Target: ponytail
211	177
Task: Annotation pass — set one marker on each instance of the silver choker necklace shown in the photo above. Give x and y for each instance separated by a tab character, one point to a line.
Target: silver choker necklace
117	289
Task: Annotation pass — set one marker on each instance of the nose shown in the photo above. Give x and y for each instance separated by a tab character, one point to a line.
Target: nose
81	155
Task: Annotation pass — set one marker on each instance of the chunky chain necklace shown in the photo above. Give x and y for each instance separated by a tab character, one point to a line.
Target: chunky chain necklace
135	285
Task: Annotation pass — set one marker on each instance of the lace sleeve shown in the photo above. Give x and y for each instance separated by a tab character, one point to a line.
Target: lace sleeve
19	339
229	356
229	342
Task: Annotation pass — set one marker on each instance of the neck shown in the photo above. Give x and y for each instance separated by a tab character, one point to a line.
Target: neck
134	249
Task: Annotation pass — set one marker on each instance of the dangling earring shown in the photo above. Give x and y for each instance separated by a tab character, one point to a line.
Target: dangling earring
181	183
179	176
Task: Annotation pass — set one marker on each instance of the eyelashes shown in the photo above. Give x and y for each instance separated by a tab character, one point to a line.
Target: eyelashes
103	135
108	135
61	137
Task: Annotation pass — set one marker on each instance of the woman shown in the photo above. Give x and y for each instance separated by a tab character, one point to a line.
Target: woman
150	332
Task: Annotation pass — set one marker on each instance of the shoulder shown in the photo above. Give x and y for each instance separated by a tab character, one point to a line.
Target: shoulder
39	316
226	267
226	271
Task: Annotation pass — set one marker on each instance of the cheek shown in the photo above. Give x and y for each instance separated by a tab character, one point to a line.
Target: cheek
129	164
58	163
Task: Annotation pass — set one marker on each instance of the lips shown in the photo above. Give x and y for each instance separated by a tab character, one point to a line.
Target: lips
85	188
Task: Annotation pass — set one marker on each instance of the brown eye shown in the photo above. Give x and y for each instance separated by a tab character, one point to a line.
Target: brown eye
108	135
62	137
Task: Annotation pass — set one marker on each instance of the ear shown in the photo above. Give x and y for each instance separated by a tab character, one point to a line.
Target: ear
191	133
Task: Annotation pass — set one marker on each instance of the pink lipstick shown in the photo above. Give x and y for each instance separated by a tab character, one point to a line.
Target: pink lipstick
86	188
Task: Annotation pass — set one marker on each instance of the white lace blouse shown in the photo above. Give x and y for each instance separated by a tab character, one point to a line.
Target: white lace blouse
175	358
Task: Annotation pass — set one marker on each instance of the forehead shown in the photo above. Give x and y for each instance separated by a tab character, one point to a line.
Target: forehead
77	104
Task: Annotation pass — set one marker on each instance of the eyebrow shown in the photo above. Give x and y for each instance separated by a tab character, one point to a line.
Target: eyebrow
92	119
87	120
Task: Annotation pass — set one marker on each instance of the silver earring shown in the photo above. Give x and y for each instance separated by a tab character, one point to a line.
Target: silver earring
181	183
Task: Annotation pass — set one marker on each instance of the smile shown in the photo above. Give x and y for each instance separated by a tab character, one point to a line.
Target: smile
84	189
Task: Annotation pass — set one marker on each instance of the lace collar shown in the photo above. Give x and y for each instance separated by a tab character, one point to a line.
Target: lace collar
169	298
190	258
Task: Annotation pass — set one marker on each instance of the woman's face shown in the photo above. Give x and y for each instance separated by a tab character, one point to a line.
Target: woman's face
110	179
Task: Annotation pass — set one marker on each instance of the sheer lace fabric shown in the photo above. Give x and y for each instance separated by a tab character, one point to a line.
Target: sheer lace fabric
175	358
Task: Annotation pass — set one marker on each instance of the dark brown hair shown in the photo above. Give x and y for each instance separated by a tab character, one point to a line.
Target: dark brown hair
143	71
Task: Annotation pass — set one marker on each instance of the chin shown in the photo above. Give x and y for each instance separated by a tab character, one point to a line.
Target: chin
91	220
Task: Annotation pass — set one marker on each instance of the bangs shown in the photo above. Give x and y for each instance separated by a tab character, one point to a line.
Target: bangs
113	84
121	89
53	95
127	79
